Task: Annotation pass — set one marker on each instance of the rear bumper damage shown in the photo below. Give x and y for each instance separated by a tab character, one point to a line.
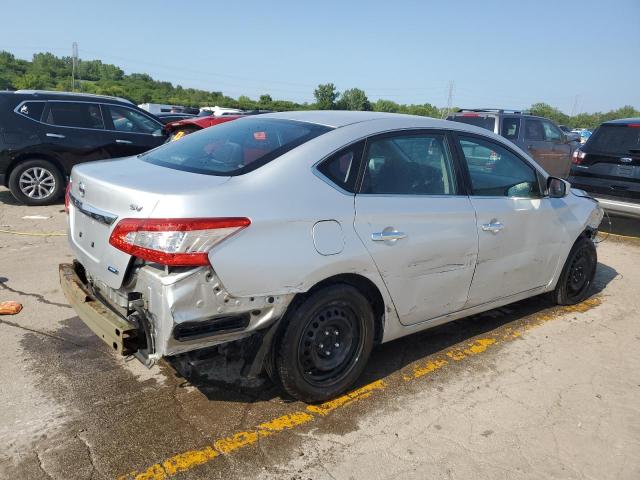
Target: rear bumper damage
161	313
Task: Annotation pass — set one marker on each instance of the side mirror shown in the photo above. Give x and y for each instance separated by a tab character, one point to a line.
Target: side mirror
556	187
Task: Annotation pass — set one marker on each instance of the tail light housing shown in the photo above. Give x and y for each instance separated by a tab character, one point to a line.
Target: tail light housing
67	200
174	242
577	157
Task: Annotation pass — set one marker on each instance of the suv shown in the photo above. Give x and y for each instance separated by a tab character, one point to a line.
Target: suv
538	136
44	134
608	166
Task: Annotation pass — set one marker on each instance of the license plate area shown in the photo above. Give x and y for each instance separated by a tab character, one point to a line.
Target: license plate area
626	171
89	235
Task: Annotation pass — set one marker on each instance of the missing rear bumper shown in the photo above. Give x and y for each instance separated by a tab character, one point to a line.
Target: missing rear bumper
115	331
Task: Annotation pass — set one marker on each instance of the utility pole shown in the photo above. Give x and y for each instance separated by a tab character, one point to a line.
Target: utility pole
575	105
74	65
449	99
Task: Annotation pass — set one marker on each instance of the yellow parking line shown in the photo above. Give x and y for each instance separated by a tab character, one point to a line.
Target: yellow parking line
188	460
622	236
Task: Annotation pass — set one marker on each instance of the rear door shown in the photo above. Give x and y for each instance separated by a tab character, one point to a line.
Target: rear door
416	223
74	132
130	131
517	227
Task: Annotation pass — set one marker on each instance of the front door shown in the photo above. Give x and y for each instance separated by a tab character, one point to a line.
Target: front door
418	228
518	228
131	132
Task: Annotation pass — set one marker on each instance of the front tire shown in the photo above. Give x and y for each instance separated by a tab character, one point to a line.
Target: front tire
36	182
325	344
577	274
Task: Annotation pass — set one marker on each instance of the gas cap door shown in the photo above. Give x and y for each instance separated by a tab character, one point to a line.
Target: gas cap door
328	238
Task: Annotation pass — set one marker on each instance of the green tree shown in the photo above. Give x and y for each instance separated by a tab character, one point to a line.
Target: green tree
354	99
265	101
386	106
326	96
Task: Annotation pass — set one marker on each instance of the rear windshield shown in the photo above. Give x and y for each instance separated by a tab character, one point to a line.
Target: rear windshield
616	139
479	121
235	147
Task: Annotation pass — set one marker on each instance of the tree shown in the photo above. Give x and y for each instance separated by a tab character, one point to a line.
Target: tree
266	100
326	96
354	99
386	106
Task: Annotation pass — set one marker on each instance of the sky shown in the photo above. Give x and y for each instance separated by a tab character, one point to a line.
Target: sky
579	56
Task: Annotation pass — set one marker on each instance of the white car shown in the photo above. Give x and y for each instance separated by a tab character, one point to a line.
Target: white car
320	235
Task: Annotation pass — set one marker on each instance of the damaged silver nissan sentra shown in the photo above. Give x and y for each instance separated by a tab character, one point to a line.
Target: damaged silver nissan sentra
320	235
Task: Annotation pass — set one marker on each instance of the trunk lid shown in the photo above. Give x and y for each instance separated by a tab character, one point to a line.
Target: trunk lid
104	192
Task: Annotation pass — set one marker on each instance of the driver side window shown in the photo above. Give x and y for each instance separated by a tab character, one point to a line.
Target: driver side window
496	172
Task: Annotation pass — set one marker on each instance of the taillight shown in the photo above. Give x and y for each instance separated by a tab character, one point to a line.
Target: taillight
175	242
578	157
67	200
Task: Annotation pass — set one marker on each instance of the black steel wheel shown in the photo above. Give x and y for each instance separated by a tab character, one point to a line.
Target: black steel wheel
326	343
577	275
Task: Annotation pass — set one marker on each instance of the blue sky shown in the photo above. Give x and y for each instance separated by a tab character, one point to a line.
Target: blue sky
498	53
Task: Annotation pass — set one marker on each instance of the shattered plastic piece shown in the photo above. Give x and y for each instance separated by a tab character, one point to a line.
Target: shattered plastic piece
10	308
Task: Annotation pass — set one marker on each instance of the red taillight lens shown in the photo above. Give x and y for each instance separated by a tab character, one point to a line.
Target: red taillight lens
578	157
175	242
67	200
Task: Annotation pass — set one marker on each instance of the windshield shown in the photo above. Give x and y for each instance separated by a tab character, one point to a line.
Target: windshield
620	139
235	147
478	120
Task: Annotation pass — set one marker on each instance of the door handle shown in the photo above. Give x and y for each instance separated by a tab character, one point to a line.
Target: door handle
55	135
126	142
493	227
388	236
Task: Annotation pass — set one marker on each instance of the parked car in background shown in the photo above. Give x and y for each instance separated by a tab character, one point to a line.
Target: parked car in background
583	133
44	134
571	136
608	166
319	235
178	129
173	117
220	111
159	108
539	137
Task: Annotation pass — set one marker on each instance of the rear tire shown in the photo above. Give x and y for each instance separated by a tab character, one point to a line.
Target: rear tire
36	182
577	274
325	344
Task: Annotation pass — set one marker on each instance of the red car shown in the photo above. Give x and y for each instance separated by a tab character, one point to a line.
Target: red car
178	129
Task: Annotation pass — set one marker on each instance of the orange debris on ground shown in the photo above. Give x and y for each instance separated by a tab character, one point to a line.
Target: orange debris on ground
10	308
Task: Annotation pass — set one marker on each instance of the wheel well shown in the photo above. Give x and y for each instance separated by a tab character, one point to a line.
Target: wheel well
34	156
364	286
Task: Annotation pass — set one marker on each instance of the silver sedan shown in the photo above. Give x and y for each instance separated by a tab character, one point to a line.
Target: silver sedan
318	235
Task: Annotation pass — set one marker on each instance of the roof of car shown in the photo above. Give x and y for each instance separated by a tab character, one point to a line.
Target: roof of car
68	95
622	121
341	118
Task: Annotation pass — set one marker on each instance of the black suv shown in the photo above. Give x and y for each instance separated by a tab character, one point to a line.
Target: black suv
549	146
44	134
608	166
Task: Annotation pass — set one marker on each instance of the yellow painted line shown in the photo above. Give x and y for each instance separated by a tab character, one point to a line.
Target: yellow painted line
621	236
191	459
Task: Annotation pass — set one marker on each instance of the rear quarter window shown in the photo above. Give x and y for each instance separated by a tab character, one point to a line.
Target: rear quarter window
32	110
